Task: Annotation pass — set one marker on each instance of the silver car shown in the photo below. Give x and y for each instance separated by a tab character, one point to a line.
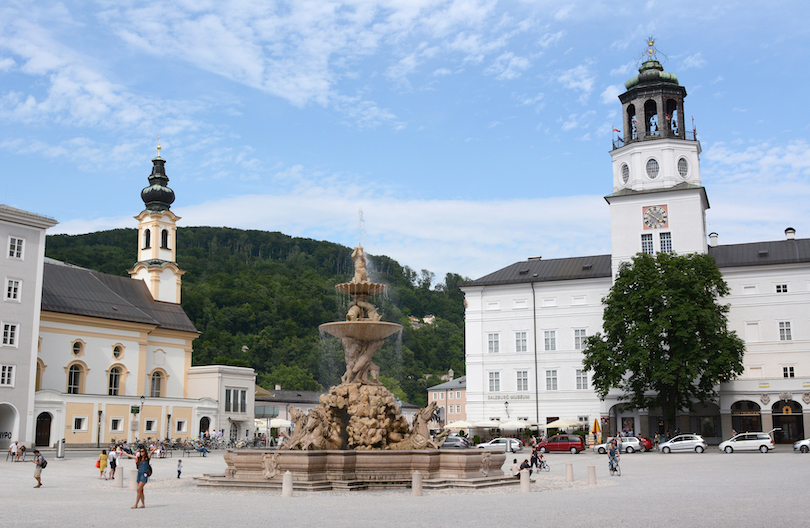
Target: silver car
629	444
512	445
802	445
684	442
748	442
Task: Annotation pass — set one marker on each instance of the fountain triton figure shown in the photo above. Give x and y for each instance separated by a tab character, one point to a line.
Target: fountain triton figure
360	273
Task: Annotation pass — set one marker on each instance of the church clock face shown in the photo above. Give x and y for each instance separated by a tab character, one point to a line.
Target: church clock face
655	217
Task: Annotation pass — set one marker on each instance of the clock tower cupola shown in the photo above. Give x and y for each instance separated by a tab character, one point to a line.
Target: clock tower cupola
157	237
658	203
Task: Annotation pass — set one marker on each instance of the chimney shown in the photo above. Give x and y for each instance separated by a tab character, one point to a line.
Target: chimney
713	239
790	233
278	387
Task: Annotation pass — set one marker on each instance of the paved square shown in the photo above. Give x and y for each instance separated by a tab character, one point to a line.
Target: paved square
712	489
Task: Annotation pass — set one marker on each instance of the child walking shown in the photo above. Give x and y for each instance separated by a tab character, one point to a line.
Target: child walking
179	467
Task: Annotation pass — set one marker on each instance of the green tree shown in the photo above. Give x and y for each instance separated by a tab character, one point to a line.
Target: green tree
665	341
290	378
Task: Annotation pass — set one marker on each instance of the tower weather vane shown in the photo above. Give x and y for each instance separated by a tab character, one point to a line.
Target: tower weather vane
158	146
651	53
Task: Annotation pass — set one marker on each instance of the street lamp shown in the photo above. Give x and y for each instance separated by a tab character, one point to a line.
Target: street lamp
506	406
169	427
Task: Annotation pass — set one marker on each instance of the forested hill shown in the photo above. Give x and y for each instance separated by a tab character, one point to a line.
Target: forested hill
258	298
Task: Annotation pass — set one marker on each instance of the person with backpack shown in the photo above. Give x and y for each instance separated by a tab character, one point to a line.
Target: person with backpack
39	460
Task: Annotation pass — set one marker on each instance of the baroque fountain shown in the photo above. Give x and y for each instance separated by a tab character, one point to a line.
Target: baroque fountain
357	437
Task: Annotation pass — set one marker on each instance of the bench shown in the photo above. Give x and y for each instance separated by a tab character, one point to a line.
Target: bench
187	451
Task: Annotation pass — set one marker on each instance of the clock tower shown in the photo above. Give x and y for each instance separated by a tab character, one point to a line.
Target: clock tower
658	203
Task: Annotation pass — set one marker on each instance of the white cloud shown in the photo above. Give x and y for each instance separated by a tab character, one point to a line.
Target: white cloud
717	79
441	72
611	93
508	66
7	63
550	39
563	12
580	79
693	61
624	69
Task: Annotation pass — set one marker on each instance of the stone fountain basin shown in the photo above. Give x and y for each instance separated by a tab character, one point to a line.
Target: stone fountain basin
361	330
361	288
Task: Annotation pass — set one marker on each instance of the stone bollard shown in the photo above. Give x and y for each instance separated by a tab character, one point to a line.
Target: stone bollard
287	484
118	481
525	484
416	484
133	479
569	472
591	475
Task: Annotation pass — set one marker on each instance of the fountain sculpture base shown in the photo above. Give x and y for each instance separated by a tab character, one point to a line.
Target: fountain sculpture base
354	470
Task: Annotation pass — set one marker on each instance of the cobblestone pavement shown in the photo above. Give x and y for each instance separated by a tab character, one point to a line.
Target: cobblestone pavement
708	490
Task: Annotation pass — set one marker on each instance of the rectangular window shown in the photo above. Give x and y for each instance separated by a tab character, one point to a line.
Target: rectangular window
787	372
458	395
582	379
647	244
151	426
579	339
227	400
781	288
117	425
13	290
522	380
15	247
666	242
243	401
784	331
80	423
10	332
550	339
450	395
551	380
520	341
458	409
7	375
441	395
493	343
180	427
494	382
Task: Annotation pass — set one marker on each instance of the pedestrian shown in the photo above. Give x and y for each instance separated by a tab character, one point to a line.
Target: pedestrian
21	453
14	449
142	463
102	465
113	463
657	439
179	467
39	460
515	469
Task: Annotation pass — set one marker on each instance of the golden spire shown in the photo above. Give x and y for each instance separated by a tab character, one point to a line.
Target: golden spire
158	146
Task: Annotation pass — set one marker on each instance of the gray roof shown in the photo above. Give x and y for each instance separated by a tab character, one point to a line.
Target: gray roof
762	253
79	291
684	186
538	270
727	256
456	384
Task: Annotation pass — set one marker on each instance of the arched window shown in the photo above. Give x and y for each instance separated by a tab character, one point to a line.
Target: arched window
651	118
147	238
77	349
630	126
672	116
164	239
115	381
74	379
157	379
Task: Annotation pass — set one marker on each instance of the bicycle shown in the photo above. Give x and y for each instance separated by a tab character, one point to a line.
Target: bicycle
544	466
614	467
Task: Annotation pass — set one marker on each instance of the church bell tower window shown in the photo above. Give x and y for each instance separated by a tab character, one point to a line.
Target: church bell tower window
164	239
625	173
147	238
652	168
683	168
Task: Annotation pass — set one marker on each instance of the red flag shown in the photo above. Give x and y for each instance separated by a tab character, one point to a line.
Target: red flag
617	130
667	115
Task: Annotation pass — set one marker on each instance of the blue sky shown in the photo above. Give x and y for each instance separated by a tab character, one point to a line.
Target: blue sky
471	133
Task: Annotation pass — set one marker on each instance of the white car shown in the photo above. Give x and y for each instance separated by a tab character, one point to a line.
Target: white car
512	445
684	442
802	445
748	442
629	444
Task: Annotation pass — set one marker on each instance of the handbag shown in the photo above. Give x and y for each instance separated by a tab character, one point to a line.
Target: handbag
149	470
98	464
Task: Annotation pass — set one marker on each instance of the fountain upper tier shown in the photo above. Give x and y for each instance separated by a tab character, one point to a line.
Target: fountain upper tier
360	288
361	330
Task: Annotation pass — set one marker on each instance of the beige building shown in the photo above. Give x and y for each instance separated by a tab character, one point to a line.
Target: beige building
451	398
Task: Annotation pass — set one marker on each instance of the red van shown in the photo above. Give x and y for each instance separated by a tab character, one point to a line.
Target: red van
562	442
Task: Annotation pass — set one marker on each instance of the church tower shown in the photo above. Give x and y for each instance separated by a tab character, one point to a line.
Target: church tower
658	203
157	238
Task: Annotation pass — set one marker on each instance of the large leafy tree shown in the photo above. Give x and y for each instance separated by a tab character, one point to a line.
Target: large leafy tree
665	341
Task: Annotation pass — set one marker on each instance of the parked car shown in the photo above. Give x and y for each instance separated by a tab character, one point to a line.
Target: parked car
748	442
684	442
629	444
646	442
456	442
802	445
513	445
562	442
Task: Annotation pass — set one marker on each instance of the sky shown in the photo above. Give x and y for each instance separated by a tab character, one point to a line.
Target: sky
471	133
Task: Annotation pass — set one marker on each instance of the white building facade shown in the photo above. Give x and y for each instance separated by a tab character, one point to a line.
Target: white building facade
526	324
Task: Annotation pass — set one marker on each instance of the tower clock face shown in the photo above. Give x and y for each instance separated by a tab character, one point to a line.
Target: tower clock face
655	217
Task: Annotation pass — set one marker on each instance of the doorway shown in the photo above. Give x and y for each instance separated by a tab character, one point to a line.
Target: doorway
204	424
43	432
